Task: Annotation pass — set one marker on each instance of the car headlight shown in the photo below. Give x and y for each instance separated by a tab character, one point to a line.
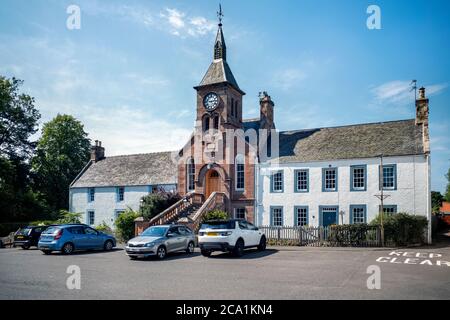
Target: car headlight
150	244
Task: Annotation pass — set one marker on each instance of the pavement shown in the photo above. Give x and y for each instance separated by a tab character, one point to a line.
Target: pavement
277	273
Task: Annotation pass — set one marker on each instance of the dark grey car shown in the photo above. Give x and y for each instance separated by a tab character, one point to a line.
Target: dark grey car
160	240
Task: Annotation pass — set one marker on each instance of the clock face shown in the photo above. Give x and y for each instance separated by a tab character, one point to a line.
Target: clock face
211	101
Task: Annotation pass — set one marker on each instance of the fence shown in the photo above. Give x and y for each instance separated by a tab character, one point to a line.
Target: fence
332	236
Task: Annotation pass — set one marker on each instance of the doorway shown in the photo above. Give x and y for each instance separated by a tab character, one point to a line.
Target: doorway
212	182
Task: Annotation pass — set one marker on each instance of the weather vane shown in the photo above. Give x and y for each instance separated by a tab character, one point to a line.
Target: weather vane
220	14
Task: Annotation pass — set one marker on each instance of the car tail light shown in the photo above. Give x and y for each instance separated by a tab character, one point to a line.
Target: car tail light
59	234
201	234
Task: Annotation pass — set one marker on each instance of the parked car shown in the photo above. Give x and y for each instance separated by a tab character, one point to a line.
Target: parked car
160	240
28	236
68	238
229	236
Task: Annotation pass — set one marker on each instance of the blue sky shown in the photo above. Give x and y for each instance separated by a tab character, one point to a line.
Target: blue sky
128	73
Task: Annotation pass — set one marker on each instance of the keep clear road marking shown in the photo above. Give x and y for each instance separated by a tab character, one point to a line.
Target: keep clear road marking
417	258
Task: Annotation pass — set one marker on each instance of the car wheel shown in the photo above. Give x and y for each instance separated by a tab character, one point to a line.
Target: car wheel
206	253
46	252
25	247
161	252
239	248
67	248
262	244
108	245
190	248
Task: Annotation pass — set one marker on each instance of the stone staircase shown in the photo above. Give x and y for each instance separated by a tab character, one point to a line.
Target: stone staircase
188	211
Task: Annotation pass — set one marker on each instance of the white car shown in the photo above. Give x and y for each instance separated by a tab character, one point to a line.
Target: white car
229	236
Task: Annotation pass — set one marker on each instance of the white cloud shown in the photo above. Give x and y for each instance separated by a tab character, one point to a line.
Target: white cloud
179	24
399	92
288	78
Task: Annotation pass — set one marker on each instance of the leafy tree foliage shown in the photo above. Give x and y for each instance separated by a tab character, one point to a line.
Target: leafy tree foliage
125	224
215	215
447	190
62	152
155	203
436	201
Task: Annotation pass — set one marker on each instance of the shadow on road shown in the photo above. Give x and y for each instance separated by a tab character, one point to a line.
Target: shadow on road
171	256
248	254
87	252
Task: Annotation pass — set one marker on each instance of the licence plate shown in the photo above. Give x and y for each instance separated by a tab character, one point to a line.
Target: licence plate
212	234
19	237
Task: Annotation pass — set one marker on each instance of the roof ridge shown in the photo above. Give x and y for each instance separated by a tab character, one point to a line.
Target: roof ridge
138	154
350	125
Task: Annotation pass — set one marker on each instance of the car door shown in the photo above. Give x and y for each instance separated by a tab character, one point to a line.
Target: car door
186	237
78	237
174	240
245	232
93	239
254	234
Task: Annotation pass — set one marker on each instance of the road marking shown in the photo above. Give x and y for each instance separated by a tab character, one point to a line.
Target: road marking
414	258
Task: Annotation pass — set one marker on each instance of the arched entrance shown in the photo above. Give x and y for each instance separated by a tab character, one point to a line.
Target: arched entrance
212	182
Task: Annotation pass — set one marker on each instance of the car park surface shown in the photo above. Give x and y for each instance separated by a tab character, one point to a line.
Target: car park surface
276	273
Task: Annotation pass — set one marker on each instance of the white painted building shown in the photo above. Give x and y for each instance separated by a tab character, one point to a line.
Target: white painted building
107	186
331	175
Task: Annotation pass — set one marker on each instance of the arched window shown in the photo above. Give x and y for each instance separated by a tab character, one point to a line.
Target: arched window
206	123
216	122
190	175
240	172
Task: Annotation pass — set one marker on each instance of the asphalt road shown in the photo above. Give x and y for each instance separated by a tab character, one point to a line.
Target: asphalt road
277	273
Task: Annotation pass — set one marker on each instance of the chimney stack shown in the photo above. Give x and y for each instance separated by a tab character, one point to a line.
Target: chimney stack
97	151
422	112
266	111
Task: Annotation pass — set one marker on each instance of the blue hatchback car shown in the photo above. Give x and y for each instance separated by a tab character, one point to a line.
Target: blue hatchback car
70	237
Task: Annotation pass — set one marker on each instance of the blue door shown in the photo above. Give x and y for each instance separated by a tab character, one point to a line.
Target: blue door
329	216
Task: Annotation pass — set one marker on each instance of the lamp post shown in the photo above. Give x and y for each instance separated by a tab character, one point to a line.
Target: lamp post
342	213
381	196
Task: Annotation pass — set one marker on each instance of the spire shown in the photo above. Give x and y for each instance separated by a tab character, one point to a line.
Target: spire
220	49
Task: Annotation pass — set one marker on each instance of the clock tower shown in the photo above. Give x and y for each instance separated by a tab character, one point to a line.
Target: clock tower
219	98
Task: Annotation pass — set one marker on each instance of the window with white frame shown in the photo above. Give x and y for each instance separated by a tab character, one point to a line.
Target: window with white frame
239	213
190	170
330	179
302	180
91	194
358	214
240	172
389	178
277	217
277	182
358	178
120	194
302	216
91	217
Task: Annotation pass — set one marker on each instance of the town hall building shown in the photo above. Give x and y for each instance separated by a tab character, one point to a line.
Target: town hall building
306	177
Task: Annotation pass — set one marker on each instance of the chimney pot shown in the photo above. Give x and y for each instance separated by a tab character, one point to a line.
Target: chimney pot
422	93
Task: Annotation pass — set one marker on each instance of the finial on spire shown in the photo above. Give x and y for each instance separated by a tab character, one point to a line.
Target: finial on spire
220	15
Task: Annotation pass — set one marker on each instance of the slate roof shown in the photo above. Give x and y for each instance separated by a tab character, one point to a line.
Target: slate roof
251	124
219	72
394	138
129	170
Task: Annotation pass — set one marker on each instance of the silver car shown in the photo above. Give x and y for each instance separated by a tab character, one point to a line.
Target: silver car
160	240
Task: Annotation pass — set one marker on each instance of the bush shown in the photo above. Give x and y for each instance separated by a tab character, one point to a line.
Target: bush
125	224
68	217
215	215
103	227
155	203
349	234
402	228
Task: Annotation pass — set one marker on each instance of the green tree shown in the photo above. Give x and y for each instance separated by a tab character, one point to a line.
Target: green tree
447	190
62	152
18	122
125	224
436	201
215	215
68	217
155	203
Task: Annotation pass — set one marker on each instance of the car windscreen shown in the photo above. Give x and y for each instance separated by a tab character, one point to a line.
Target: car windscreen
24	231
218	225
51	230
154	232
